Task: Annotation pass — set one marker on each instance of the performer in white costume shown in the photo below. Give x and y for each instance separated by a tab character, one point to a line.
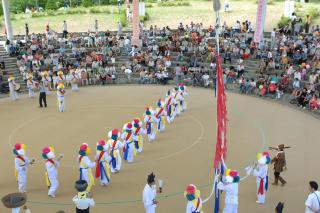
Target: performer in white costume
194	204
60	95
149	195
150	121
31	85
129	149
74	81
160	114
12	88
114	150
170	102
184	94
61	79
230	186
138	132
85	165
102	163
51	173
21	163
260	171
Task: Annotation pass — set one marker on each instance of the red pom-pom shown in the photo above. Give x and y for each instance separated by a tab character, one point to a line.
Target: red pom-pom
17	146
83	147
233	173
46	150
129	125
191	189
265	153
102	143
115	132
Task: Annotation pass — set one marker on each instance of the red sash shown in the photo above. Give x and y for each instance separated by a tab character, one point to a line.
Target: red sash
159	113
148	122
176	95
198	203
62	92
21	158
98	164
169	101
61	78
137	131
51	161
128	136
80	158
113	145
261	186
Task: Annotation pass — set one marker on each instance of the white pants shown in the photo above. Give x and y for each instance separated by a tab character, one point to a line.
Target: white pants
130	156
118	160
15	210
75	87
86	176
261	198
54	185
230	208
22	181
31	93
14	95
150	209
61	104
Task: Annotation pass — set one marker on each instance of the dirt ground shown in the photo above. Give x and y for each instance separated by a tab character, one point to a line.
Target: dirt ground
181	155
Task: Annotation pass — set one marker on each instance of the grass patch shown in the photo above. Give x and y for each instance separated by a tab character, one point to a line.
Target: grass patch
100	10
123	18
173	4
145	18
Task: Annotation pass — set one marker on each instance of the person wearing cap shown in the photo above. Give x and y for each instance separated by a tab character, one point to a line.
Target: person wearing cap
194	204
83	200
230	186
85	165
12	87
260	171
149	195
177	97
129	149
30	85
60	95
279	162
150	120
102	163
21	163
51	170
138	131
114	145
160	114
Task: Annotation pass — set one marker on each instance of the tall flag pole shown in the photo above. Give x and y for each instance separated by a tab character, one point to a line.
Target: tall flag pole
221	142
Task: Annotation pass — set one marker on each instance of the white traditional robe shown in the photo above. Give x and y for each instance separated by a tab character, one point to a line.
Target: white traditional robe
114	152
138	139
231	198
60	96
148	196
85	166
21	172
261	173
104	167
31	86
150	122
129	146
192	206
52	172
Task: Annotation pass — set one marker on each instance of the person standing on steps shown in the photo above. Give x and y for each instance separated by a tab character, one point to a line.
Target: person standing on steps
42	94
64	29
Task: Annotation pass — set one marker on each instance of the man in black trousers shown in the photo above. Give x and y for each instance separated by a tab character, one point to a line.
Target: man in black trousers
43	95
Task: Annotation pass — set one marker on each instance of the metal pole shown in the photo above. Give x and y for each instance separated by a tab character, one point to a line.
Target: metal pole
6	14
218	31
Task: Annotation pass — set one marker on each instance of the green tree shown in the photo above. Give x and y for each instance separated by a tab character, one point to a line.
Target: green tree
51	5
87	3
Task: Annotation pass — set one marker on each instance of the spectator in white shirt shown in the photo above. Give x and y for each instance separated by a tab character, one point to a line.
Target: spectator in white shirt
149	195
313	201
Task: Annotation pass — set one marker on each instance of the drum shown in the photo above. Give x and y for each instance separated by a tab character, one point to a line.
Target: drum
14	200
17	87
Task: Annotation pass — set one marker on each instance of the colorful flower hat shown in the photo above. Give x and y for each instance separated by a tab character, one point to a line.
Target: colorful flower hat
232	176
191	192
19	149
114	134
182	87
149	111
102	145
263	158
137	123
160	103
48	152
84	149
128	127
60	86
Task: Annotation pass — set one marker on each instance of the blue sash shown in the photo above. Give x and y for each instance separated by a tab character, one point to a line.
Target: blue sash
136	144
103	171
148	128
159	123
125	154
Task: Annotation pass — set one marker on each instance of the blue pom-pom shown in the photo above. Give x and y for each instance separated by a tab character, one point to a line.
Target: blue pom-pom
236	179
82	153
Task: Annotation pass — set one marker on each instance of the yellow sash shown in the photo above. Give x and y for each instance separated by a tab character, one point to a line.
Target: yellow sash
106	168
90	177
195	202
48	183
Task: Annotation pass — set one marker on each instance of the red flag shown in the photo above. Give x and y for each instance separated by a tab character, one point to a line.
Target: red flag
221	144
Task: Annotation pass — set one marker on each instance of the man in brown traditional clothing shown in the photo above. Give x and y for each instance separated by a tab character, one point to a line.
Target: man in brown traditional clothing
279	163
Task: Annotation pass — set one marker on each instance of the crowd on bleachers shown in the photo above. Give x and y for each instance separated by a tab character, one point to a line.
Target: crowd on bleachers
285	62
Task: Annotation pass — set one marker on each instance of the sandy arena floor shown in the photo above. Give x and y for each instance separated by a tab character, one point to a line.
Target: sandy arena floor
181	155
